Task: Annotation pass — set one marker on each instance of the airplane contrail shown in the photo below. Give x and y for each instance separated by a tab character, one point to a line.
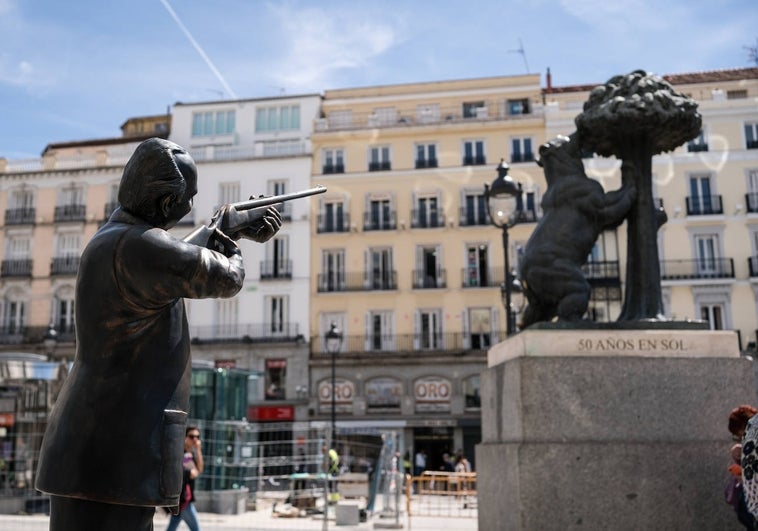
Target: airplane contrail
199	49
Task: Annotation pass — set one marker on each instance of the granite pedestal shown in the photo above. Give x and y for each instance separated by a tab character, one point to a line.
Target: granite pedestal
609	430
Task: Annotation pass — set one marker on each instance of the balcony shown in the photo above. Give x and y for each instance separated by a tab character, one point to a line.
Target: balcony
16	268
423	280
20	216
528	215
522	157
481	278
64	265
424	219
339	281
751	144
374	222
478	160
602	273
245	333
425	163
14	334
331	223
276	269
703	268
704	205
379	166
429	344
70	213
326	169
470	217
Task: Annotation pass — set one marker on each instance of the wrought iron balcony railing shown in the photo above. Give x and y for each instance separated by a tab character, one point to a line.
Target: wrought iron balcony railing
332	168
429	343
426	163
423	280
478	160
64	265
276	269
470	217
602	272
16	268
371	222
73	212
697	147
341	281
705	268
20	216
522	157
326	223
423	219
246	333
704	205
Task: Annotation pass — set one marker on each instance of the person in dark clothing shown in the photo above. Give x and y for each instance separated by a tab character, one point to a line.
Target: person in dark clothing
192	465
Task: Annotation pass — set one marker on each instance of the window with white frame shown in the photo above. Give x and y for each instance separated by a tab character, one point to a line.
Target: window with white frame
698	143
71	195
520	106
521	149
473	153
383	116
68	244
426	155
333	216
63	310
228	192
379	330
428	333
211	123
476	272
751	135
334	160
428	273
280	187
277	118
14	311
380	214
478	328
713	305
18	246
702	201
277	315
277	264
227	318
22	199
708	256
474	109
332	270
381	275
379	158
474	208
752	190
427	211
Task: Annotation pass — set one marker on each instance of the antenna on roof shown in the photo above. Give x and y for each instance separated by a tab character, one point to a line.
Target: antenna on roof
522	52
752	53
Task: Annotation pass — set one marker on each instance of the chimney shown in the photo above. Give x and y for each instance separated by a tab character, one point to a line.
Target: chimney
548	81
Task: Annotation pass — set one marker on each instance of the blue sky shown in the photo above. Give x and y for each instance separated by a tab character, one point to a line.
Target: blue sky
77	70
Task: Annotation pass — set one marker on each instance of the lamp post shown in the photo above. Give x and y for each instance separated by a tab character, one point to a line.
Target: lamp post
502	203
517	297
333	342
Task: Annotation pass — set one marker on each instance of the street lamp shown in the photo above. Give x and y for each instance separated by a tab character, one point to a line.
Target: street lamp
517	297
333	342
502	203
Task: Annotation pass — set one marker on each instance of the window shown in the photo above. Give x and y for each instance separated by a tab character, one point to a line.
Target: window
521	150
752	190
210	123
713	304
340	119
70	205
381	275
17	246
701	200
520	106
332	218
428	273
380	215
281	118
474	210
383	393
227	318
473	153
479	323
426	156
476	273
697	144
276	379
379	159
379	331
707	251
228	193
22	198
383	116
427	213
333	270
277	264
714	315
428	330
63	313
428	113
67	250
472	109
14	312
334	161
277	311
751	135
280	187
471	392
736	94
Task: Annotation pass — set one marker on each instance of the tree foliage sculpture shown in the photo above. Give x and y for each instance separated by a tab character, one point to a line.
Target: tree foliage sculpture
634	117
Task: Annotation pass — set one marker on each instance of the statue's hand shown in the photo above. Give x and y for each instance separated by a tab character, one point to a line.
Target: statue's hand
257	224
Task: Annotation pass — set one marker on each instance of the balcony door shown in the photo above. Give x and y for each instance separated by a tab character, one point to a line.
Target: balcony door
333	217
428	330
700	194
477	270
333	268
708	262
380	269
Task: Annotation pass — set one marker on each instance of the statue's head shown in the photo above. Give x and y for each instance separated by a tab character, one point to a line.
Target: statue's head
158	183
561	156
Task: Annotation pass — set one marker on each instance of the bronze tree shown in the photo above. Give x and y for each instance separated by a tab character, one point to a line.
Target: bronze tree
634	117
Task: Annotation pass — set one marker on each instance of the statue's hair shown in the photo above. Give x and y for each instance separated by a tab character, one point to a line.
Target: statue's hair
150	174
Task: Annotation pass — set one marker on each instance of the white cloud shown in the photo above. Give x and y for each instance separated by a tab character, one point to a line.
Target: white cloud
320	43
